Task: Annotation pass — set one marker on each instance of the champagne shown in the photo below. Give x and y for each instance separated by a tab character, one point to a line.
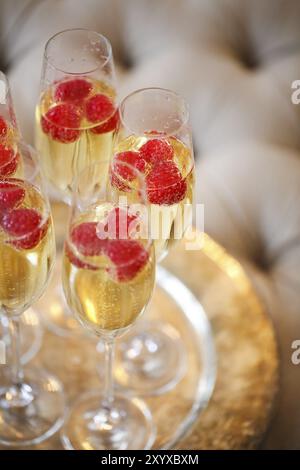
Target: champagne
27	258
69	135
170	199
107	291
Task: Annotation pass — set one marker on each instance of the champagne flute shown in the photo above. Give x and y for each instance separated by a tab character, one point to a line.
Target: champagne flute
108	279
31	401
11	166
75	121
155	137
8	123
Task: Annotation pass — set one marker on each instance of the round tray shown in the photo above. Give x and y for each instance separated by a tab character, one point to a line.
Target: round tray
241	405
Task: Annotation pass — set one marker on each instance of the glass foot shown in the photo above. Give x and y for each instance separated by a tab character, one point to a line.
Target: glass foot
54	310
127	425
32	412
151	359
31	337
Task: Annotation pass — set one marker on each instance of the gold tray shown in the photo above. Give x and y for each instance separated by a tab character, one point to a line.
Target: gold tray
242	404
240	408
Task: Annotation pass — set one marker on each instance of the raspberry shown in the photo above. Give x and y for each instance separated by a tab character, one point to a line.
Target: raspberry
133	159
73	90
76	261
62	122
98	108
11	195
108	126
24	224
165	184
8	160
3	127
156	150
121	172
118	223
128	256
11	167
84	237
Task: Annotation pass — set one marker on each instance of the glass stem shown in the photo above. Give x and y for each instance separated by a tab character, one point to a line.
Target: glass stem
109	344
15	349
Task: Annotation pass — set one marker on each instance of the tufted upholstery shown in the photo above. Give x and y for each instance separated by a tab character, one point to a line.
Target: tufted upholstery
234	60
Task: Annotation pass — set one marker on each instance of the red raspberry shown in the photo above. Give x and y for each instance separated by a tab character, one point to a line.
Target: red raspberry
165	185
84	237
11	167
120	172
108	126
62	122
24	224
133	159
118	223
156	150
3	127
8	160
76	261
98	108
128	256
73	90
11	195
